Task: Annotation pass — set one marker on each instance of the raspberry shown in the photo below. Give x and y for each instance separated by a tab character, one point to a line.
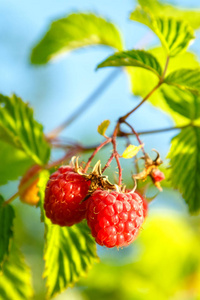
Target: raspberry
64	192
114	218
29	194
157	175
145	204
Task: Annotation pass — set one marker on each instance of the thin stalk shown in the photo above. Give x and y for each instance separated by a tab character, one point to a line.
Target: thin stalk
165	69
108	162
136	135
127	134
116	154
122	119
122	133
164	129
95	152
11	199
120	170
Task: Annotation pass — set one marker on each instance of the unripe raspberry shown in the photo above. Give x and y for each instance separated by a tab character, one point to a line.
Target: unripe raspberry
28	190
157	175
114	218
64	192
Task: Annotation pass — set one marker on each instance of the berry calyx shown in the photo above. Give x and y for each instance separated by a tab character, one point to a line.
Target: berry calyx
28	189
114	217
64	193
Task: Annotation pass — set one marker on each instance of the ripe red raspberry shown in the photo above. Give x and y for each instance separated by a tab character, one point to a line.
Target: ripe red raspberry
64	192
157	175
114	218
145	204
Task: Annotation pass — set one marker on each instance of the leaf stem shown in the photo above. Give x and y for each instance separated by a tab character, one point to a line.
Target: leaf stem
165	69
122	119
11	199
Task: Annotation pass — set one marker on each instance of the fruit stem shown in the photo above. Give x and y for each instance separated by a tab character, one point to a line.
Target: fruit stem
108	162
119	168
116	154
107	141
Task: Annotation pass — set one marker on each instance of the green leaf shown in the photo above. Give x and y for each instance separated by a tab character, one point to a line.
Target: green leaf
185	79
175	35
184	158
182	102
18	127
163	9
75	31
103	127
140	78
14	163
69	253
15	282
133	58
6	229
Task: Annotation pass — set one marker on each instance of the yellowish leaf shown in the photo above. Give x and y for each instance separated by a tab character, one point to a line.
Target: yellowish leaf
131	151
103	127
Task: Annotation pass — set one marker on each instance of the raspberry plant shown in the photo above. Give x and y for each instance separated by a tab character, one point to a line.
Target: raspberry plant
80	205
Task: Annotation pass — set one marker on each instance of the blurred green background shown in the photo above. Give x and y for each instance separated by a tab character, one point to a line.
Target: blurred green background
164	262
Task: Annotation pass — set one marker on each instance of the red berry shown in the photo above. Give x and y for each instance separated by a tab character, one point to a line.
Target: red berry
157	175
64	192
114	218
145	204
